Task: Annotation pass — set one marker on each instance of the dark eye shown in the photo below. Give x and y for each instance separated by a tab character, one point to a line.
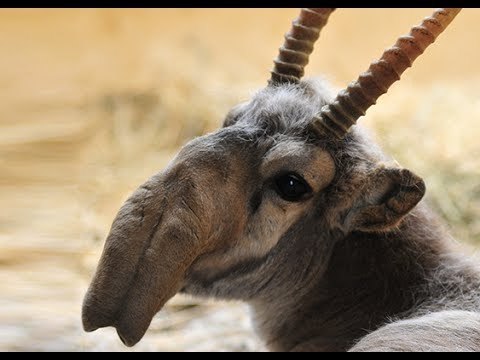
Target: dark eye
291	187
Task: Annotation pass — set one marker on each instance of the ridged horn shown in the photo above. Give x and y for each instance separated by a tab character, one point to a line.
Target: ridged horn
293	55
351	103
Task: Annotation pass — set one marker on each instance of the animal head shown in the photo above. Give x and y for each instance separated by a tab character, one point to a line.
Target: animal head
287	168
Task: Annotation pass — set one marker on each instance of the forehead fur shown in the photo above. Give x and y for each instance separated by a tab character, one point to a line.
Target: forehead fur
287	107
283	113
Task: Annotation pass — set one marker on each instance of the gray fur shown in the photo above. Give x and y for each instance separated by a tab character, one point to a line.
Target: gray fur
357	263
445	331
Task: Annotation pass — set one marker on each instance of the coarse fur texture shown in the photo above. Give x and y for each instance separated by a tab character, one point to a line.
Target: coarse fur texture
357	263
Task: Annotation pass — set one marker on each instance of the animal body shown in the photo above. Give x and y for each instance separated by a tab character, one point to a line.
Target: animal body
292	209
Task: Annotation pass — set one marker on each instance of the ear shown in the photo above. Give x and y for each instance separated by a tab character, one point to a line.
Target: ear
389	194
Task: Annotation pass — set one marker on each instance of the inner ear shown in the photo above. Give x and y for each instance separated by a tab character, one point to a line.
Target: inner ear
389	194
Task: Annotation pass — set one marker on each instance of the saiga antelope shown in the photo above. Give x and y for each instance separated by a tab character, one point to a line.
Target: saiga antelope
294	210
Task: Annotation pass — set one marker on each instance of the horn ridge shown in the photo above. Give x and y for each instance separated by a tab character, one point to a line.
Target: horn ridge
355	100
298	45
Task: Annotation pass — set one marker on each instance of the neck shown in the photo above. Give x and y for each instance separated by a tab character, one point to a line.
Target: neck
369	279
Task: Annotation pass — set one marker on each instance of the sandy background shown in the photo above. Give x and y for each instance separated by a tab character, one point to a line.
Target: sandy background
92	102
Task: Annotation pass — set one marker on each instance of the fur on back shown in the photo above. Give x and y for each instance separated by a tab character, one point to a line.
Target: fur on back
444	331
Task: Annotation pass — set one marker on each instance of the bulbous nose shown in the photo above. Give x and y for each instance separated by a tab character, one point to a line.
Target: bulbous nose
152	242
156	236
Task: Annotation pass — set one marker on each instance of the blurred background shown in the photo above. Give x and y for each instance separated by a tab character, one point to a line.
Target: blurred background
93	102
